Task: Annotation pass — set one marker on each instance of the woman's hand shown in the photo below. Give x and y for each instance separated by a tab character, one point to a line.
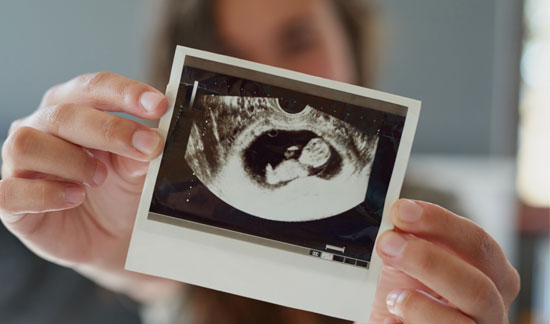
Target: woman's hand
73	175
441	268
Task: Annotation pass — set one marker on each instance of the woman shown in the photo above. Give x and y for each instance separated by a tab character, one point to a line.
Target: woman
73	176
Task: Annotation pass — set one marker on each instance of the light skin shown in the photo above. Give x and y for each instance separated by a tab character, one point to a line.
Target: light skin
72	177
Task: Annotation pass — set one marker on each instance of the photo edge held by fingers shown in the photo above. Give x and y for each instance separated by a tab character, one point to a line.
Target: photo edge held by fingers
310	271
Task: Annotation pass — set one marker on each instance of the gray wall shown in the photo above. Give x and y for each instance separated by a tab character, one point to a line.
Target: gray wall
47	42
440	53
461	59
452	55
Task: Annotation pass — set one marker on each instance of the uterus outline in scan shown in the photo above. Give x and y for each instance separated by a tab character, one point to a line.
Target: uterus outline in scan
279	165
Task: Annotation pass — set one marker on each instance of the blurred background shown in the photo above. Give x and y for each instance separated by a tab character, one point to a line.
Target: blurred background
480	68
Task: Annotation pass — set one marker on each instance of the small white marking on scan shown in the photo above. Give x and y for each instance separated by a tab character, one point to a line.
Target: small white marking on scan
335	248
193	93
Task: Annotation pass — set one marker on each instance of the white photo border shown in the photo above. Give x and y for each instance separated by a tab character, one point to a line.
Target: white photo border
255	270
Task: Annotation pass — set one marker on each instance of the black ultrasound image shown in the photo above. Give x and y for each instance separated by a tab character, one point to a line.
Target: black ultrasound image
276	163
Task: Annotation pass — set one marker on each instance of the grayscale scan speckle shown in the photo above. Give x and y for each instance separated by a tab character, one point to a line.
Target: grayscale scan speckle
276	165
307	168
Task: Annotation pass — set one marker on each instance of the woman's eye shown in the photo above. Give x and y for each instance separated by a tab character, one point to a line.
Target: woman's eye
298	37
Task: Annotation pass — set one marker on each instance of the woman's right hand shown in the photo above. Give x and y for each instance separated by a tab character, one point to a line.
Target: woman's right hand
73	175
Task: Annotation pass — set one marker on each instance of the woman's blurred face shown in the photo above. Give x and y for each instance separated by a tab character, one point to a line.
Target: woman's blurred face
301	35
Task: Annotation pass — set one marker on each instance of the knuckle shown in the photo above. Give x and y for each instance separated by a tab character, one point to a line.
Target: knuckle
435	217
4	171
483	296
425	258
5	195
20	142
7	158
56	116
40	194
14	125
517	282
482	293
92	81
45	194
111	128
6	150
130	91
514	285
50	94
485	245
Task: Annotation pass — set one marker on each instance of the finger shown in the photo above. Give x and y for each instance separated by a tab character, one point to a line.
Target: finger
23	196
109	92
30	150
463	237
416	307
99	130
391	278
451	277
131	171
15	124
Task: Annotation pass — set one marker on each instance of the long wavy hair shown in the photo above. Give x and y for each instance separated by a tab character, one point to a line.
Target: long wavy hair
191	23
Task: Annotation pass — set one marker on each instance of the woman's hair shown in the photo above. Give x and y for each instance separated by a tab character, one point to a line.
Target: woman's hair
191	23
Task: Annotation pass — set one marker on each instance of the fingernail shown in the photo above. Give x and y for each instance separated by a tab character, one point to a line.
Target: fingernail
394	300
409	211
392	244
74	194
100	174
150	100
146	141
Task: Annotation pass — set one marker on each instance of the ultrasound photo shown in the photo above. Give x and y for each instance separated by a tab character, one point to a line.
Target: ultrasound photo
277	165
305	170
272	184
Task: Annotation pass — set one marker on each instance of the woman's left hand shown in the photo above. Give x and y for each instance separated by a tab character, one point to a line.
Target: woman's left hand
441	268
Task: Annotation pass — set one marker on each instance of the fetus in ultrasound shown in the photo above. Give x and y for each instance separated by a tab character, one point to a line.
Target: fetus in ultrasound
281	166
299	162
